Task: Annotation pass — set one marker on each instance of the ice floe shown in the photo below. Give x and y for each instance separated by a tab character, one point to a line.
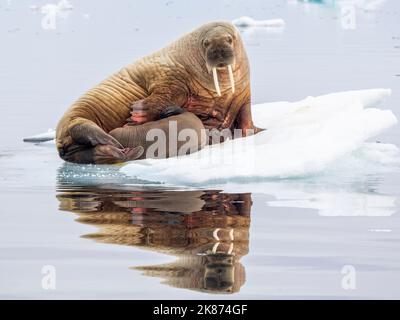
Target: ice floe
50	135
303	138
366	5
248	26
318	135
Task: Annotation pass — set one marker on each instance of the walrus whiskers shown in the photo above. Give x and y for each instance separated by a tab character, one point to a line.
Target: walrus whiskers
215	76
231	79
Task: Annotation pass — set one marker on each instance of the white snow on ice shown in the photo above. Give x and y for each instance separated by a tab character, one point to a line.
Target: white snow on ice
302	138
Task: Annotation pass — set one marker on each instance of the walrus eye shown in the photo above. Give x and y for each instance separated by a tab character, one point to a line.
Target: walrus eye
229	39
206	43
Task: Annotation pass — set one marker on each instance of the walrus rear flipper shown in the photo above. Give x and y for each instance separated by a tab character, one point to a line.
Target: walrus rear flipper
101	154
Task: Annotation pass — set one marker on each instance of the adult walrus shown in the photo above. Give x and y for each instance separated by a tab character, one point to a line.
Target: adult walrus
205	72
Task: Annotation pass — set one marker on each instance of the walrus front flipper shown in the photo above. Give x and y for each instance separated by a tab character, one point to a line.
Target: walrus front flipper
101	154
90	134
85	143
42	137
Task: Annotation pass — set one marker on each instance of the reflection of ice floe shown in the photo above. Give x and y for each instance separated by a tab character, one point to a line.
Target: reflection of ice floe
248	25
328	202
303	138
349	187
52	11
329	196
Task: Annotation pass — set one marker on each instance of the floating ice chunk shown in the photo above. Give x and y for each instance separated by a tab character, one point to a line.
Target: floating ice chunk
246	22
42	137
303	138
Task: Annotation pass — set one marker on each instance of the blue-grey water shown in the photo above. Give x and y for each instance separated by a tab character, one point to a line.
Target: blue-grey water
105	237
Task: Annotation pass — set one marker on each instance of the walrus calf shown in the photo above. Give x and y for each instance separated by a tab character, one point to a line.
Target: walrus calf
206	72
175	135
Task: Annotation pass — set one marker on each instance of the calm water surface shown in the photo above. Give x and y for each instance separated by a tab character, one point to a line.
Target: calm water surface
109	237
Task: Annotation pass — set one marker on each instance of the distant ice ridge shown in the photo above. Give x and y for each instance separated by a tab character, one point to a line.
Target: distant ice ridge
367	5
247	22
303	138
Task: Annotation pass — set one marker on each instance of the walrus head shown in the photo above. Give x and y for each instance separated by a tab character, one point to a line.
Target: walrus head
218	45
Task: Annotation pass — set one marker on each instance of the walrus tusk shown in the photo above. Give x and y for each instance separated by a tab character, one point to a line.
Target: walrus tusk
231	78
215	76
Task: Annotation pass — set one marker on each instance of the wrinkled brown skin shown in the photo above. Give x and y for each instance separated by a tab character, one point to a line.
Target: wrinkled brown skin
174	76
131	136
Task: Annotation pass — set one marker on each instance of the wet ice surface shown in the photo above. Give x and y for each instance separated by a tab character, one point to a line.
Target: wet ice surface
112	236
317	132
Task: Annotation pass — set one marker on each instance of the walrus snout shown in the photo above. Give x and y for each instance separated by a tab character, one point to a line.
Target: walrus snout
218	45
220	57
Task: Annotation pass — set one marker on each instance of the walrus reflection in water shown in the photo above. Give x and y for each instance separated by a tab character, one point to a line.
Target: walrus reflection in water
206	72
207	230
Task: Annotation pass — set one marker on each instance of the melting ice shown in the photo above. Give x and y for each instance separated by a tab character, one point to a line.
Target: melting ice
302	138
